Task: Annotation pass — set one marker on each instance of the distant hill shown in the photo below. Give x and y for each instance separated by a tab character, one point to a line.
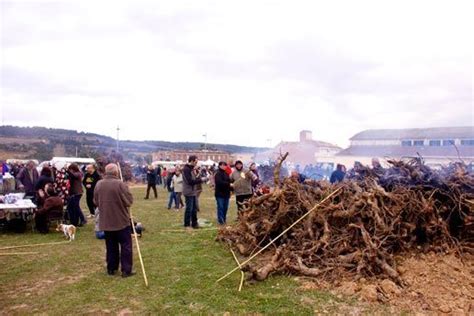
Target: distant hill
43	143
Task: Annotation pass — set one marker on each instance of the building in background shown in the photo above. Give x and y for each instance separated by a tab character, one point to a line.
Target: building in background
246	158
182	155
304	152
437	146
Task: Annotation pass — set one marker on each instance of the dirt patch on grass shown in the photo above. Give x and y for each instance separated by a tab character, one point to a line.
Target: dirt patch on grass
432	284
39	287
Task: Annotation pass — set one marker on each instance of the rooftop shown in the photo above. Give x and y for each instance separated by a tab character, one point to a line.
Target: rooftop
408	151
416	133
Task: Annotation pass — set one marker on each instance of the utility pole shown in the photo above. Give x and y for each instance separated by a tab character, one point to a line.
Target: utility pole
269	141
205	141
118	139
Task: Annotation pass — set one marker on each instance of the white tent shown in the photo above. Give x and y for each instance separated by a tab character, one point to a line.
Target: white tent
208	162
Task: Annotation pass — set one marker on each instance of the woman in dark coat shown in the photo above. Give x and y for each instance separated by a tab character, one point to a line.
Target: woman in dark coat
76	217
46	177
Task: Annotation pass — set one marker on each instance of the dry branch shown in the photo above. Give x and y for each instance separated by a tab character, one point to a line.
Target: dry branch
364	222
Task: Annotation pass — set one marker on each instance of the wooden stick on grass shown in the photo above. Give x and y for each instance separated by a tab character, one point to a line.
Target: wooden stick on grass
184	231
242	274
279	236
136	236
18	253
34	245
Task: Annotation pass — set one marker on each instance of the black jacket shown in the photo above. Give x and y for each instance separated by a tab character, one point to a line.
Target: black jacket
91	179
222	184
169	179
42	182
337	176
151	177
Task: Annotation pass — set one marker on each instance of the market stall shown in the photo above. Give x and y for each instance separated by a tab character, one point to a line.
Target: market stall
14	208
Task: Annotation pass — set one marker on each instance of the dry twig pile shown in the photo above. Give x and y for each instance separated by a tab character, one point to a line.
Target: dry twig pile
359	229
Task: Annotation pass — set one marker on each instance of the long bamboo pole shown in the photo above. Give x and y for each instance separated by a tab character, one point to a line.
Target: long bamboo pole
34	245
242	274
136	237
18	253
279	236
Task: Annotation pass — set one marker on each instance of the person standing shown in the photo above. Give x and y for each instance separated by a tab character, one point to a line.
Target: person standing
90	181
159	179
242	184
27	178
255	177
377	167
338	175
113	199
46	176
189	191
151	181
164	175
169	186
76	217
199	174
222	192
177	183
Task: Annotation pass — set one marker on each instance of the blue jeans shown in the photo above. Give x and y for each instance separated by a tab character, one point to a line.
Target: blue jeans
172	198
222	207
190	214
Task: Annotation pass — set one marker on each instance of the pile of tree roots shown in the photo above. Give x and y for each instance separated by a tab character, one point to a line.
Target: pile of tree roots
371	218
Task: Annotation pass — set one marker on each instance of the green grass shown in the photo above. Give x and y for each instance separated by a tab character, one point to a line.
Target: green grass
182	269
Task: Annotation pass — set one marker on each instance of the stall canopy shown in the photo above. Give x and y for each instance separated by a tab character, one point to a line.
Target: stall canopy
208	162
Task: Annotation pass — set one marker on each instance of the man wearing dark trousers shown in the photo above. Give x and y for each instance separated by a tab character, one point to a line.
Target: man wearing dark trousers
190	182
222	192
242	183
113	198
90	181
151	179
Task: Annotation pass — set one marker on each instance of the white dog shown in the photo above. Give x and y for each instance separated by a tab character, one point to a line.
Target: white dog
69	231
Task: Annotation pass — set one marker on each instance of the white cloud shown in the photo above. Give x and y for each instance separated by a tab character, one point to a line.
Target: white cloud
242	72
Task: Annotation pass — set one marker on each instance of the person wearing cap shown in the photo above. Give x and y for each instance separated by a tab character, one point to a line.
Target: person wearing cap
222	192
242	184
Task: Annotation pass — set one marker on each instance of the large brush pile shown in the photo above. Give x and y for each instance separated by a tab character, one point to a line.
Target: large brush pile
358	230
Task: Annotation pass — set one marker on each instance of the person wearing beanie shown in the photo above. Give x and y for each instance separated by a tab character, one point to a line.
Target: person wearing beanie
242	183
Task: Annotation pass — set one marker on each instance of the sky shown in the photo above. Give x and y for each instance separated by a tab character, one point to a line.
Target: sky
243	72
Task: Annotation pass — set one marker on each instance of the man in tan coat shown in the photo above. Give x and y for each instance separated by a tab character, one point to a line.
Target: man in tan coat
113	199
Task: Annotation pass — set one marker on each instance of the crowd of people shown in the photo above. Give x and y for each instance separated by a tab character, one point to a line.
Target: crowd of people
51	185
107	196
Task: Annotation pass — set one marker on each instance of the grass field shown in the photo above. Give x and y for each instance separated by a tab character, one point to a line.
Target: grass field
182	269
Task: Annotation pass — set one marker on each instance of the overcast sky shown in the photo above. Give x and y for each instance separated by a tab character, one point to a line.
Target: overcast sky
243	72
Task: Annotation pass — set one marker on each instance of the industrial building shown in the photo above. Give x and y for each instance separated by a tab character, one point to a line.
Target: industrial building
437	146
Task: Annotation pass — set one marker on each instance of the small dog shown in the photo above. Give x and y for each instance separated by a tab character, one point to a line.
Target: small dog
69	231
